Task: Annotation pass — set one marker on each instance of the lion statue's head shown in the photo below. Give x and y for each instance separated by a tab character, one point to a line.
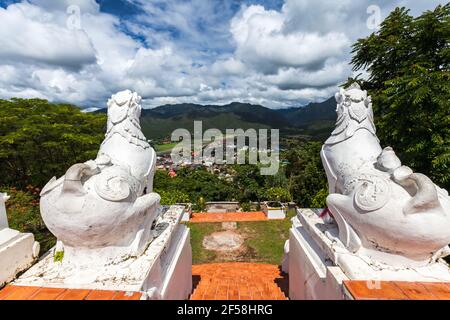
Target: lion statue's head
122	105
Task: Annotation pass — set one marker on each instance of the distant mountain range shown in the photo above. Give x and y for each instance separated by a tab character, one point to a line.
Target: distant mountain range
315	119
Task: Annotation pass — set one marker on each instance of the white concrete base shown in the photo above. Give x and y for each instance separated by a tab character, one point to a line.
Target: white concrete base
186	216
276	214
17	252
319	262
273	212
285	262
163	271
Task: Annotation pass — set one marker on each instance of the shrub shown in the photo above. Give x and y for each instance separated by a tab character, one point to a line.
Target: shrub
23	214
246	206
172	197
278	194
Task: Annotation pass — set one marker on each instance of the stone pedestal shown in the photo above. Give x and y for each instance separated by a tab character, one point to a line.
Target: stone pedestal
275	214
163	271
17	253
318	262
17	250
278	212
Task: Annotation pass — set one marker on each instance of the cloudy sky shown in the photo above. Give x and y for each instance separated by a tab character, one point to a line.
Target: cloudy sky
275	53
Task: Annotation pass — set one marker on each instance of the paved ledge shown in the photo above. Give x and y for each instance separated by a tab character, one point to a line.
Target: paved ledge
12	292
228	217
397	290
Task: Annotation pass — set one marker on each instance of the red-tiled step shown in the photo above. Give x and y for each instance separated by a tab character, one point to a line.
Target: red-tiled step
239	281
12	292
228	217
397	290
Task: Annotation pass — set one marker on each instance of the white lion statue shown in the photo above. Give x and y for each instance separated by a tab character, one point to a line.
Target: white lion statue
104	208
383	209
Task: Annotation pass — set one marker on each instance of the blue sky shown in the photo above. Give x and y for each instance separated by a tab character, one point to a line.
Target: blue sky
276	53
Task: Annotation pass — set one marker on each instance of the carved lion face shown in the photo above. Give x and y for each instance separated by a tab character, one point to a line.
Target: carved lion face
355	101
124	104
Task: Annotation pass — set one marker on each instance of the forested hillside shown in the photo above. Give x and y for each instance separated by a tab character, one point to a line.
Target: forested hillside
312	119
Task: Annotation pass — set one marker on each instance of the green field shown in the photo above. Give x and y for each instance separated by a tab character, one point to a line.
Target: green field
165	147
264	241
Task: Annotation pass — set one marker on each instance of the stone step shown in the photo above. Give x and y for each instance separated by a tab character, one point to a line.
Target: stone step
238	281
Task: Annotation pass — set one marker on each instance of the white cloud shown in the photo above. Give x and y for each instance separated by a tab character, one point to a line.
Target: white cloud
58	63
85	6
157	62
198	24
162	72
290	66
262	41
230	66
183	50
297	78
30	34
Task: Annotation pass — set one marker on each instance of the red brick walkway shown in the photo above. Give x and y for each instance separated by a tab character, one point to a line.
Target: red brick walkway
12	292
239	281
398	290
229	216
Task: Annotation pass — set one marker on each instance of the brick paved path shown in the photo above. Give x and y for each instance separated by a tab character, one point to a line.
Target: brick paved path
398	290
229	216
239	281
12	292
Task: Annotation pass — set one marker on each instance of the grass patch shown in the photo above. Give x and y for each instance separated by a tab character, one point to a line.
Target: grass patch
198	232
58	256
264	240
165	147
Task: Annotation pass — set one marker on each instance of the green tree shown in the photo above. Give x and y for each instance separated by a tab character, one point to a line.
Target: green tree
278	180
23	214
306	174
195	183
249	182
277	194
199	205
319	200
408	65
172	196
39	139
